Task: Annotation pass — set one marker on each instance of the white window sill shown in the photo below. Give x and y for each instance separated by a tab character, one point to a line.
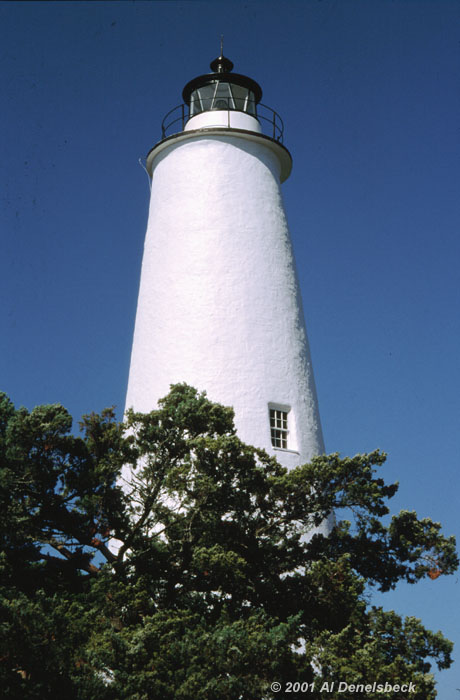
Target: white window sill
284	449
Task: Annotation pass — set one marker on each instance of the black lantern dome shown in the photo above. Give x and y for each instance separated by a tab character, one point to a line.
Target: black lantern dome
222	89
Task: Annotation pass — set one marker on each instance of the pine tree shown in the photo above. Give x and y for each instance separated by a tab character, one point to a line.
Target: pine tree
163	558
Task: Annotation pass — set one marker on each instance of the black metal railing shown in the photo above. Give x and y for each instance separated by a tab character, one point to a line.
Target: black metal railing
177	122
269	120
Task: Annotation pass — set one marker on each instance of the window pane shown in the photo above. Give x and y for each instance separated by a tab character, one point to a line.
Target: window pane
206	95
279	428
222	95
251	104
195	103
223	98
240	97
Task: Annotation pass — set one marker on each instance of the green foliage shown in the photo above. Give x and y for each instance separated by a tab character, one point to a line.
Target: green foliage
163	558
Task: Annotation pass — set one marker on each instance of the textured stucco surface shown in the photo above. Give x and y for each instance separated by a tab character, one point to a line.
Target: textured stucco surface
219	304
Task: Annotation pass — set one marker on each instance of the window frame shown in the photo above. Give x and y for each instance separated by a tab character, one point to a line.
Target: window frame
279	426
200	103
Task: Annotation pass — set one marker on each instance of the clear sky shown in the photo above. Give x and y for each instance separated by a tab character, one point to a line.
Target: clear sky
369	94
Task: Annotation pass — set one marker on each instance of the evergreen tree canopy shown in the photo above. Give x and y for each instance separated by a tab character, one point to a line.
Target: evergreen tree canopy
164	559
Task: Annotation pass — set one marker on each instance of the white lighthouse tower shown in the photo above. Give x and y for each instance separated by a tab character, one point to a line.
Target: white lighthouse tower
219	302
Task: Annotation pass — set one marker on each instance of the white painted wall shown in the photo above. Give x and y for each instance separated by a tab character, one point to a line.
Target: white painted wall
219	303
228	118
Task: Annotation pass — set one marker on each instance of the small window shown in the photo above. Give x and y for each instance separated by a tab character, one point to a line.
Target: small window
279	428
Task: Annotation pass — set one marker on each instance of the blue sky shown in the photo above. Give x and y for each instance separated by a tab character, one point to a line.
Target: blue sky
369	95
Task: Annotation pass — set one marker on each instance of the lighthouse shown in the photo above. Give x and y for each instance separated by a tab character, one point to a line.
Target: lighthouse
219	302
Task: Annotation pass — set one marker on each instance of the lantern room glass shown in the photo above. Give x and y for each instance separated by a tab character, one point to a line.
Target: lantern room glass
222	95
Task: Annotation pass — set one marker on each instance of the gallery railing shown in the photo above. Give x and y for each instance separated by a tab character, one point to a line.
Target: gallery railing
270	121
